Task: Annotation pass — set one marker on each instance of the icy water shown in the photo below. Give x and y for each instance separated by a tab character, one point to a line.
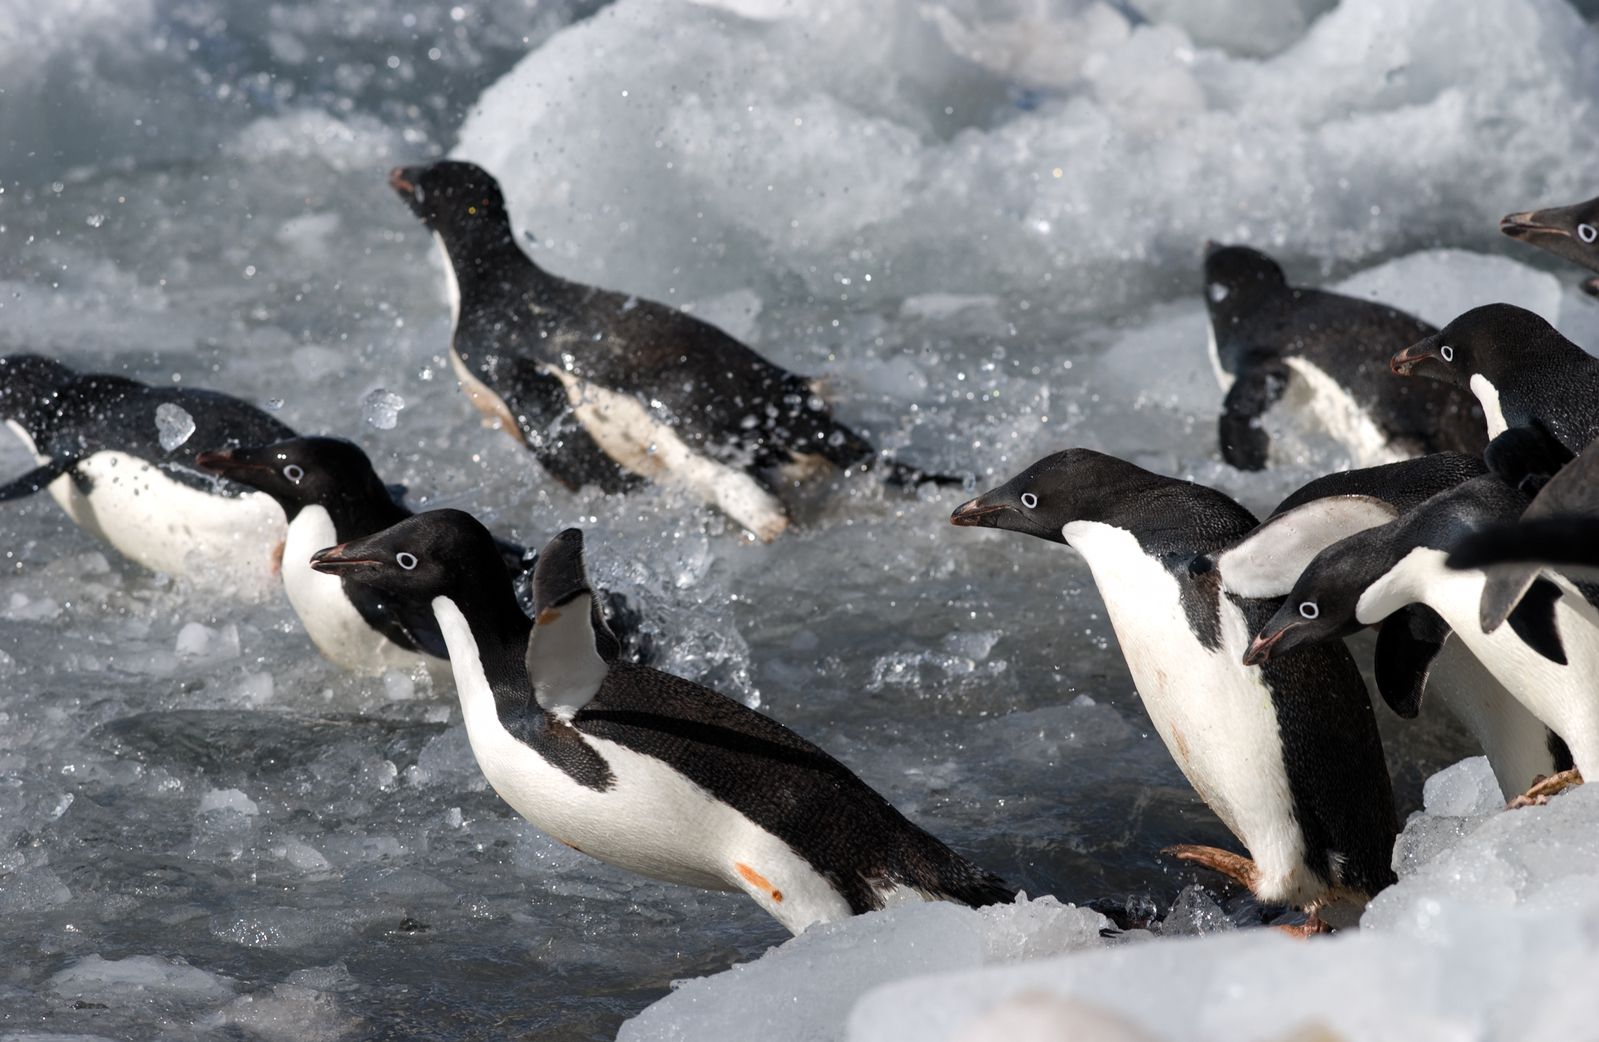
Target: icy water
980	221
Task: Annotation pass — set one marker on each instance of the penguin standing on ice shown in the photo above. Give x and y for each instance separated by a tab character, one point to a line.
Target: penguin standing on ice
1416	653
1325	352
1523	372
1571	232
1548	655
1289	760
331	494
116	455
607	388
639	768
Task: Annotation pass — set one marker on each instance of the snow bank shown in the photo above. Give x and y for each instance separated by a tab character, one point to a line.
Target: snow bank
876	151
1493	925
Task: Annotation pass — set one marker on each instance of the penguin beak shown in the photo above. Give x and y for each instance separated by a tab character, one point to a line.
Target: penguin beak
342	560
1404	363
400	180
978	513
1530	224
1264	647
226	463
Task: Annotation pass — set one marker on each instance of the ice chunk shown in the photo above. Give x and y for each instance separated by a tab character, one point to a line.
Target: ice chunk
1437	285
174	425
820	973
382	409
199	642
94	977
1463	790
1195	912
228	800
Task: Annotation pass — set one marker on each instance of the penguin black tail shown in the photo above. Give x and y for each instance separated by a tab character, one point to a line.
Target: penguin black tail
938	872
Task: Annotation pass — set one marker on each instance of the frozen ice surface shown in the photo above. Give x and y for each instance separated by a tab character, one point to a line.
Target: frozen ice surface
794	991
173	425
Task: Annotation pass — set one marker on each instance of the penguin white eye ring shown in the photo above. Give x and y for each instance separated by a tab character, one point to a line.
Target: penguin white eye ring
294	472
1029	500
1309	609
1447	353
1587	232
405	560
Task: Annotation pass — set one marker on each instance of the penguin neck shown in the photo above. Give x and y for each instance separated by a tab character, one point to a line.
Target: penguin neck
483	259
1411	575
487	634
1170	518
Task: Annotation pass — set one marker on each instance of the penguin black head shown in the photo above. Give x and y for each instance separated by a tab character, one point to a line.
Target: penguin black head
440	553
1322	604
1496	341
1571	232
300	472
28	383
452	197
1238	278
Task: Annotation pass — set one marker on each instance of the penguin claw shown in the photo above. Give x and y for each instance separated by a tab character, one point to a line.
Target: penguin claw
1544	788
1313	925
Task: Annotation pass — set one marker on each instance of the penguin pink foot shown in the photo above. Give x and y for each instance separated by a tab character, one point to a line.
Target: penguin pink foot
1544	788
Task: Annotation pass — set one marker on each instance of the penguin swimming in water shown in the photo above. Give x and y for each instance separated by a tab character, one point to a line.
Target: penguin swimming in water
112	453
1571	232
1547	657
1519	367
1559	531
1415	652
1325	352
639	768
607	388
1289	760
330	494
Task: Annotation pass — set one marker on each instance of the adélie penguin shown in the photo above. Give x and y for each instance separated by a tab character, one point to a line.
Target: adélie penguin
117	456
639	768
1519	367
1289	759
1322	353
1571	232
330	494
1548	655
1416	654
607	388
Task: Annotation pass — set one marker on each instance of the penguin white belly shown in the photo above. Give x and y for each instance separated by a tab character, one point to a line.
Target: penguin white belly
624	429
1564	697
1515	741
331	621
652	820
1215	715
1223	377
167	526
1337	412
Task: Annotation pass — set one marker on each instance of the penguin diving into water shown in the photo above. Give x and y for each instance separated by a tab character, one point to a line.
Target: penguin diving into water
116	455
642	769
608	389
1289	760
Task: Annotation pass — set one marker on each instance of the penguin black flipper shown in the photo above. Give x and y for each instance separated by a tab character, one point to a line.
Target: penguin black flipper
1407	643
1260	383
1526	457
35	480
1533	620
571	649
544	417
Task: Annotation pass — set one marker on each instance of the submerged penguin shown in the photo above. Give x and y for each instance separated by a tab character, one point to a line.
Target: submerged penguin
1547	657
639	768
331	494
1415	652
1571	232
1326	353
116	455
1559	531
607	388
1522	371
1289	759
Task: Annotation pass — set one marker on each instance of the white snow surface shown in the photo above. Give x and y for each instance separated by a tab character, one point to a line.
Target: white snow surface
980	223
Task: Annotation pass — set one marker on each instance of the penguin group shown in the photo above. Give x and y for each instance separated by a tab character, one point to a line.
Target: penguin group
1467	535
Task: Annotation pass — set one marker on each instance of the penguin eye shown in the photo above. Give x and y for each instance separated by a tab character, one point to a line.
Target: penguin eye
1447	353
1029	500
405	560
1309	610
294	472
1587	232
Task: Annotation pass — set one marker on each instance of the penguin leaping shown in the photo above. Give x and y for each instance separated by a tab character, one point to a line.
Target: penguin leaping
639	768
